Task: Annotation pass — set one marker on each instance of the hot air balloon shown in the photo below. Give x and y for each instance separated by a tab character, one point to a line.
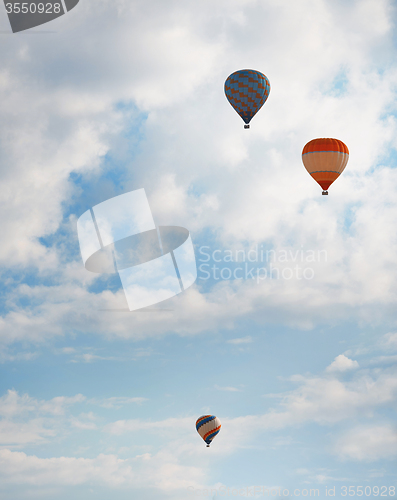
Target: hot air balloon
325	160
247	91
208	426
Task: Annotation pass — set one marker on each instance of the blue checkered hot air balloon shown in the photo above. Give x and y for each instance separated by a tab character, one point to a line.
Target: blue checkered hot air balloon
247	91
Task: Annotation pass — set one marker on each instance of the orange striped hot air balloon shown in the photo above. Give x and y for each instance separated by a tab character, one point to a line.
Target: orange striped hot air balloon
208	426
325	160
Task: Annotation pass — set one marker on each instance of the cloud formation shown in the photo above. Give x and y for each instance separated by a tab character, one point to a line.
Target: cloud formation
368	444
342	363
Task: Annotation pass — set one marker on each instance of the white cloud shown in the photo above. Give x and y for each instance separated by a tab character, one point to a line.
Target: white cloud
341	364
6	355
68	350
17	467
328	400
57	405
14	405
17	433
117	402
72	307
83	423
389	341
162	426
161	471
26	420
89	358
241	340
384	360
368	443
227	389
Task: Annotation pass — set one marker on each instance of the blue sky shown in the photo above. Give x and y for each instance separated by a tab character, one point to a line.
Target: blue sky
300	371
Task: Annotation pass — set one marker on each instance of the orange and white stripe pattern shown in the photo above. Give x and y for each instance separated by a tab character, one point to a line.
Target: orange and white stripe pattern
325	160
208	426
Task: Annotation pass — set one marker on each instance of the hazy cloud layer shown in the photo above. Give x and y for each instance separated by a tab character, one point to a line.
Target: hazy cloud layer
72	118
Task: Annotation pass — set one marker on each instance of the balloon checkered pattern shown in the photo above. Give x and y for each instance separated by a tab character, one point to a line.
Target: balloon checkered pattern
247	91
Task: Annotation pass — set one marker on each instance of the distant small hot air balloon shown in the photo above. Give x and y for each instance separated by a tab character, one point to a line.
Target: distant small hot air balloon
208	426
247	91
325	160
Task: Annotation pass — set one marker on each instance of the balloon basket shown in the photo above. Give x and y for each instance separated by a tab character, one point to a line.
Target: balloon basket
246	126
208	445
325	193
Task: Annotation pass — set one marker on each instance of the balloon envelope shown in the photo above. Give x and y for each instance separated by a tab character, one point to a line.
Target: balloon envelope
208	426
325	160
247	91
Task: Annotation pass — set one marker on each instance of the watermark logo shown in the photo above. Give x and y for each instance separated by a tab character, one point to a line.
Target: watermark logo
154	263
258	264
256	492
31	13
262	491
